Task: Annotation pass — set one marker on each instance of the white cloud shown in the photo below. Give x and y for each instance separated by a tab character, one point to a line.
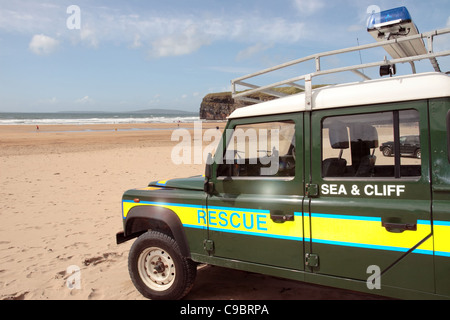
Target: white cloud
308	6
183	35
234	70
267	31
137	42
252	50
52	100
163	35
85	100
43	45
49	101
87	35
29	17
189	41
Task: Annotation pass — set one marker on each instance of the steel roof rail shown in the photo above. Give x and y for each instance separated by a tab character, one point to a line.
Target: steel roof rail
307	78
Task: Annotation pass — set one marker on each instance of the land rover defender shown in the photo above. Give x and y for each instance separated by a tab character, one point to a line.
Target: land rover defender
308	194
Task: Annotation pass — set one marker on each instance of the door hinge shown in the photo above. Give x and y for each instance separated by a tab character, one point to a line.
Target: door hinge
208	245
312	190
312	260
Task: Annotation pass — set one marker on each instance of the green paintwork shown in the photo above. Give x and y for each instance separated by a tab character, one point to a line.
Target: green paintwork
440	168
192	183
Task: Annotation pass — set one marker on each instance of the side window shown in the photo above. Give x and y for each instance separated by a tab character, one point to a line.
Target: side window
384	144
260	150
448	136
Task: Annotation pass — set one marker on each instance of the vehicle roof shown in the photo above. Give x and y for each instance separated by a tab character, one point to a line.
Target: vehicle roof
395	89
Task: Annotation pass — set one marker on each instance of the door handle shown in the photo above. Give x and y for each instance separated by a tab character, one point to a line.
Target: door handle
399	227
278	216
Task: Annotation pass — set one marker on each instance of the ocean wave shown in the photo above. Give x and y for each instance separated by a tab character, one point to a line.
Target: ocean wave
94	120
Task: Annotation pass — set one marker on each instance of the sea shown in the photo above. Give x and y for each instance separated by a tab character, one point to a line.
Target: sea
83	118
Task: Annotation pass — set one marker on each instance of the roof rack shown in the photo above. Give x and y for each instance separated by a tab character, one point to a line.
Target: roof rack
307	78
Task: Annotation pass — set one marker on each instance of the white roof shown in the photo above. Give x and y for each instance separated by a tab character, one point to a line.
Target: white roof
395	89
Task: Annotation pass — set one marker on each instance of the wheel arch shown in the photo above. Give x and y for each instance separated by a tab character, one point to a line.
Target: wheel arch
140	219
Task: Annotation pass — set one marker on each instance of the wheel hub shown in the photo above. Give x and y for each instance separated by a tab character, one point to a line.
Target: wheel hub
157	268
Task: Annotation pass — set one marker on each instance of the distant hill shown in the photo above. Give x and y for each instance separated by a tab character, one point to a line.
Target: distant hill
146	111
81	112
165	112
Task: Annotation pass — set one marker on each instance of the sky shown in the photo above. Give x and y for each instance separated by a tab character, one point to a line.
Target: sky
111	55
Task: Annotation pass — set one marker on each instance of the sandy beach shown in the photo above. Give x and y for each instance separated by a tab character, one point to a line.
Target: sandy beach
60	206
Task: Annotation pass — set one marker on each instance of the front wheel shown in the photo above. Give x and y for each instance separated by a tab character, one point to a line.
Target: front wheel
158	269
387	152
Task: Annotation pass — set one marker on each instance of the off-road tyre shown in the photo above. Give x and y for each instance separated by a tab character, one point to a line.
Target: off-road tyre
158	269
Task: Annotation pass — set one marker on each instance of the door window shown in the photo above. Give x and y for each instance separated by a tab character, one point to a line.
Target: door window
260	150
448	136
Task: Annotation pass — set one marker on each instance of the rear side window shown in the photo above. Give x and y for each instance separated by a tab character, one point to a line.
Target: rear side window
448	136
378	145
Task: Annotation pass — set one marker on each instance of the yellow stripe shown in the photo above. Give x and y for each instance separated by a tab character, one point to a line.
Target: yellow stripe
442	239
244	221
370	233
187	215
339	231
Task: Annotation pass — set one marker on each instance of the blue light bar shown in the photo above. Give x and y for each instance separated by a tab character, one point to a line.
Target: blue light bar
388	18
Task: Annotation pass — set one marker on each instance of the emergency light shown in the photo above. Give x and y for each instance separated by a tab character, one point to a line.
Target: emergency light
388	18
393	24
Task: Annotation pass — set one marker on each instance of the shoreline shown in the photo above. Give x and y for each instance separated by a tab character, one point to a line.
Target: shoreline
9	128
27	139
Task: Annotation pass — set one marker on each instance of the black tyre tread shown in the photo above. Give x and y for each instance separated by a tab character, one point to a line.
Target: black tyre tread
189	268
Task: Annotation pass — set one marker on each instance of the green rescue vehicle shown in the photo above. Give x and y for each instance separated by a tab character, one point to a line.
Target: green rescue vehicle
300	188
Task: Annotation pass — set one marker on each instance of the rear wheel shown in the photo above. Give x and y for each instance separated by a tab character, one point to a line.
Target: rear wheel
158	269
418	154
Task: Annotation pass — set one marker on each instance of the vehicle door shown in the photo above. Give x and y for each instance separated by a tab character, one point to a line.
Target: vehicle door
371	212
254	212
440	164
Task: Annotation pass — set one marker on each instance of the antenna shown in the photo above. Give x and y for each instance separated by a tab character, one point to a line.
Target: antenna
360	56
